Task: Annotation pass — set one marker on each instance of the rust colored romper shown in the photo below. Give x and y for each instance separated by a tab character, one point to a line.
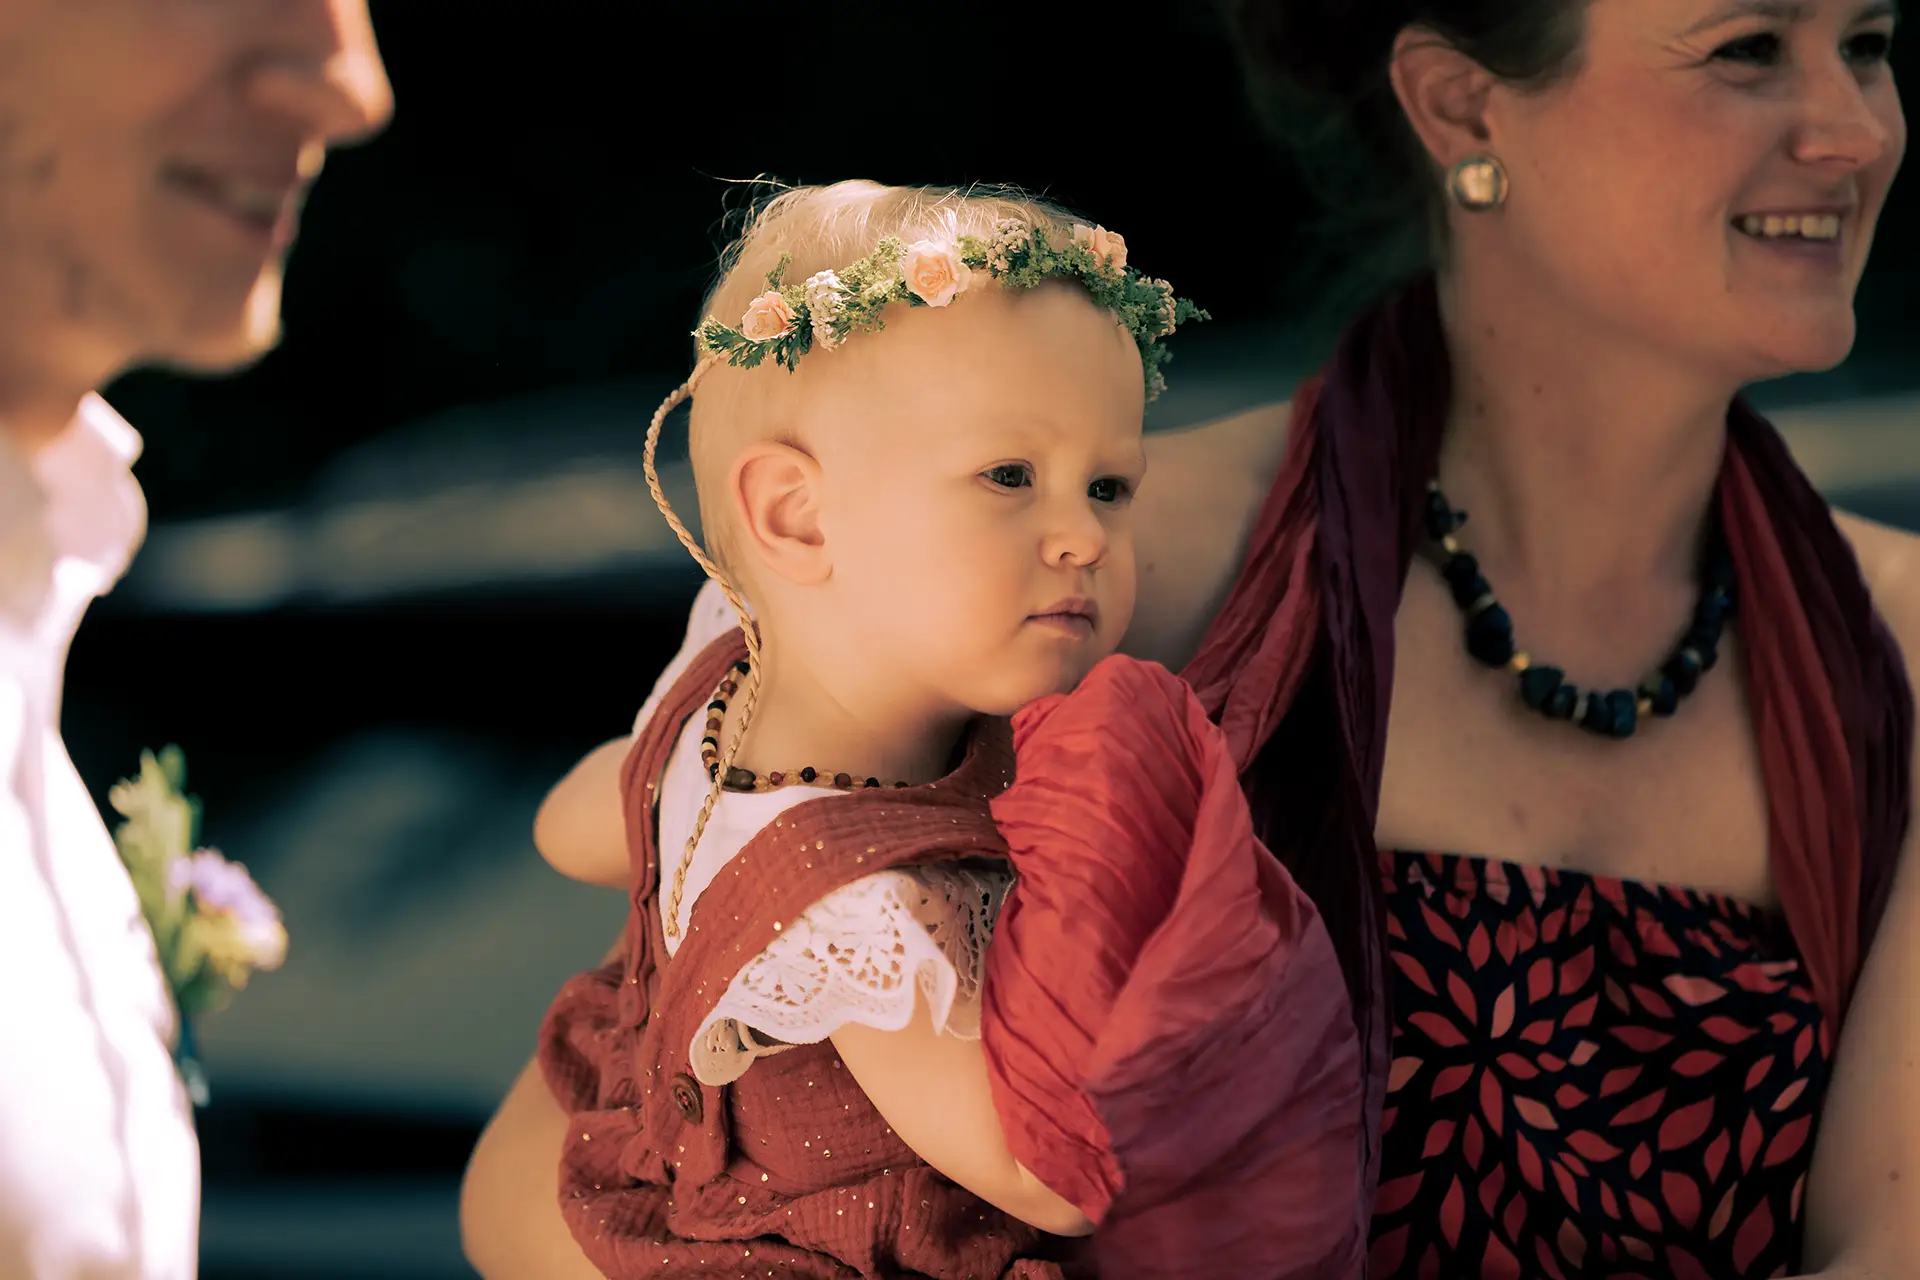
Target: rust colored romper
789	1171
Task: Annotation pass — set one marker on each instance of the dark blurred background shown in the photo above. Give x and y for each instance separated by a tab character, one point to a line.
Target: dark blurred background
405	571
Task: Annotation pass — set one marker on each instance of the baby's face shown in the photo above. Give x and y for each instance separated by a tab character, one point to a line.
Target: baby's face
979	464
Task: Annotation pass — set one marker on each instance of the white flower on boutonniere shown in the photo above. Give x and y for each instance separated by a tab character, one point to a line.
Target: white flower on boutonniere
212	926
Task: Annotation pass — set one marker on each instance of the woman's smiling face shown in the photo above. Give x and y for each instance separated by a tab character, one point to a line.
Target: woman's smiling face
1710	175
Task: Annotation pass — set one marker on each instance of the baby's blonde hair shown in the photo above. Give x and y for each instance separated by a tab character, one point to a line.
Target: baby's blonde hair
828	227
816	229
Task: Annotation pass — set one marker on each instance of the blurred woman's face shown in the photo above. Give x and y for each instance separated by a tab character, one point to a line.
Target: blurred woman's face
154	155
1709	179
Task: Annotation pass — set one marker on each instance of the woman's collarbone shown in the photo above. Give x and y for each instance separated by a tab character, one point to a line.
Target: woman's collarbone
1470	770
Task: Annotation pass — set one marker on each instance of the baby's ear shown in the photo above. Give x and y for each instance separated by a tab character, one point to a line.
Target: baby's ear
776	498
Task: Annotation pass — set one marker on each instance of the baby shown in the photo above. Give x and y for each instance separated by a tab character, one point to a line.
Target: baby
916	435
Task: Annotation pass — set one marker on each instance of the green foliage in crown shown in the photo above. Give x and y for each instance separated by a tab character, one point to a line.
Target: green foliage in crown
789	320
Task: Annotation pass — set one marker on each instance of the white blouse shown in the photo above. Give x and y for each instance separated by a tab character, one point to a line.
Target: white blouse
863	954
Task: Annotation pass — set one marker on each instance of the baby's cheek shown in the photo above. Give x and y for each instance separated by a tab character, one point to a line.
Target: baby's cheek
1119	589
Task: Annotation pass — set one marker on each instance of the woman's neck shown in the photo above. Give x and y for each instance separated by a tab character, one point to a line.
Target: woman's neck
35	408
1586	461
50	358
837	721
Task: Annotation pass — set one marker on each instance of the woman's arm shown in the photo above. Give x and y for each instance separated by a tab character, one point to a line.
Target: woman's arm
1863	1195
1204	488
510	1223
931	1088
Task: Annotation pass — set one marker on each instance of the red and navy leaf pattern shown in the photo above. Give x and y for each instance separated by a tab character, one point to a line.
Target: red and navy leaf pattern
1591	1078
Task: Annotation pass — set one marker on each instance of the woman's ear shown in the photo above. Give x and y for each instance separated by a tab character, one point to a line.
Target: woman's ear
775	489
1443	92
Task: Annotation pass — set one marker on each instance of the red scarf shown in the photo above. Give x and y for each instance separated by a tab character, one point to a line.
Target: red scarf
1298	667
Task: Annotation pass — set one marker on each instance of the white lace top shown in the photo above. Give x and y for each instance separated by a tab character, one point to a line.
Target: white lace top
863	954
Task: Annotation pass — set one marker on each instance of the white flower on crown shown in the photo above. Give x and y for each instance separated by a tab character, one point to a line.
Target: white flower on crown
826	299
933	271
1109	248
1010	235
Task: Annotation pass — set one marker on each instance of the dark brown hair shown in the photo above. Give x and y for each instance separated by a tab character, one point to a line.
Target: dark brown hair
1317	73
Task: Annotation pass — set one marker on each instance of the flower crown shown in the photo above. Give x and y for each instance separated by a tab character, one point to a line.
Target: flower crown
788	320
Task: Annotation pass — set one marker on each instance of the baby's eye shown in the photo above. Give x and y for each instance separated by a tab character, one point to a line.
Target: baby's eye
1009	475
1109	489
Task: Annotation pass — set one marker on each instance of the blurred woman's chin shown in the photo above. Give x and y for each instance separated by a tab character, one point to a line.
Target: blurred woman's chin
218	338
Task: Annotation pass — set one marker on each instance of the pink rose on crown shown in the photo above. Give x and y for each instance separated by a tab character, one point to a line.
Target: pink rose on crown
768	316
1107	247
933	271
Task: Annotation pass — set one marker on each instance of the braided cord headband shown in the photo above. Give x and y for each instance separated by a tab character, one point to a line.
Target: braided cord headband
787	321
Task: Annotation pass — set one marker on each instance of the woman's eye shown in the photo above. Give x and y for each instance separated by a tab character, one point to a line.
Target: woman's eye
1109	489
1870	46
1762	49
1009	475
1766	48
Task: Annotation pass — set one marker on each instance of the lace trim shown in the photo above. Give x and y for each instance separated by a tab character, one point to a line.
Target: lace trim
860	955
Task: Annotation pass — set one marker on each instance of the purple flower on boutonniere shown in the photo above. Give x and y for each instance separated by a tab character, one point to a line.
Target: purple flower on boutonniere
234	926
212	926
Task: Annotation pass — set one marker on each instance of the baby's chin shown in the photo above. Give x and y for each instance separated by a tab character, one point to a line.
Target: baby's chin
1064	676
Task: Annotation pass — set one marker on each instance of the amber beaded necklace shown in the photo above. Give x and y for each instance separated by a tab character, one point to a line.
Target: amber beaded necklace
739	779
1546	689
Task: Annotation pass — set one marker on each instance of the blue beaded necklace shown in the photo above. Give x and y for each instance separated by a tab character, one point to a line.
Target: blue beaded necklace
1546	689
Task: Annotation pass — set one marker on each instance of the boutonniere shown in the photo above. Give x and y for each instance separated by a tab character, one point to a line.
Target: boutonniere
212	926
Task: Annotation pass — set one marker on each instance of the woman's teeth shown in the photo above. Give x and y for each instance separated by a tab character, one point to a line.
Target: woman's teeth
256	201
1812	226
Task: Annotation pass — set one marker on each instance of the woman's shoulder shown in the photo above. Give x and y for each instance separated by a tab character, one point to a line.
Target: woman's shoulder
1204	490
1890	562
